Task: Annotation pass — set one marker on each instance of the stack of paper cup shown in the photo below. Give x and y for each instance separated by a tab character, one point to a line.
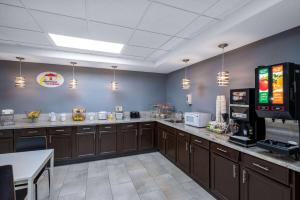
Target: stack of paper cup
220	107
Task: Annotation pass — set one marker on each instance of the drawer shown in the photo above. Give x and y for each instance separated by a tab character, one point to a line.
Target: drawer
226	152
279	173
83	129
30	132
181	134
108	127
128	126
60	130
6	133
200	141
147	124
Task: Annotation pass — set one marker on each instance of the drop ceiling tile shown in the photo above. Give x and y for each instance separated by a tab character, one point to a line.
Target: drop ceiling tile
192	29
156	55
11	2
125	13
136	51
172	44
58	24
148	39
24	36
225	7
75	8
109	33
16	17
164	19
197	6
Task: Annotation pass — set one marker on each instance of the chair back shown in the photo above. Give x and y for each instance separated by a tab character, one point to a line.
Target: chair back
7	187
31	143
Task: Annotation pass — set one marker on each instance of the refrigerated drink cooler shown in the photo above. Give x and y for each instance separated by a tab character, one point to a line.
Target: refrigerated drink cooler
277	97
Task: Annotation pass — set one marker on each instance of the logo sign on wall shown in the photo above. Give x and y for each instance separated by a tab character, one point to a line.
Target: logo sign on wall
50	79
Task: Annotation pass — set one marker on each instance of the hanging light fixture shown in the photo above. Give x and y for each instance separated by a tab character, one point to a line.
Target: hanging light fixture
185	83
223	76
73	83
20	80
114	84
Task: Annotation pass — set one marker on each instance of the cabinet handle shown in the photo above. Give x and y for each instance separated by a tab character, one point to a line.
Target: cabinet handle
222	150
107	127
130	125
59	130
234	171
244	176
198	141
86	128
186	146
261	167
182	135
35	131
50	139
147	124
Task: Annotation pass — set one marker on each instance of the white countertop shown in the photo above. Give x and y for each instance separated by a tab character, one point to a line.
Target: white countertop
200	132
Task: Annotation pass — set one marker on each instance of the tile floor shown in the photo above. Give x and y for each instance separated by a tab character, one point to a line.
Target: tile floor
140	177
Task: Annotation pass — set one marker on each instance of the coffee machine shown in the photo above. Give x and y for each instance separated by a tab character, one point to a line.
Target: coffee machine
247	128
278	102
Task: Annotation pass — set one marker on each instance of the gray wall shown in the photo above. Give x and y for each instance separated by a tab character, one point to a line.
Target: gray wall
138	91
241	64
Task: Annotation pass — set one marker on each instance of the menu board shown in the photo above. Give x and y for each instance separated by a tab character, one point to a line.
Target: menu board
263	76
277	84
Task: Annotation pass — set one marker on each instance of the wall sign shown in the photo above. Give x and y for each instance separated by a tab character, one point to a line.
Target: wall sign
50	79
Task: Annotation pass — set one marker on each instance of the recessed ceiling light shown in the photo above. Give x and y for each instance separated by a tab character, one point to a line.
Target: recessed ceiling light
87	44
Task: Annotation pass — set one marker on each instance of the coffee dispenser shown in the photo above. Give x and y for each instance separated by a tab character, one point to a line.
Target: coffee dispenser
278	101
247	128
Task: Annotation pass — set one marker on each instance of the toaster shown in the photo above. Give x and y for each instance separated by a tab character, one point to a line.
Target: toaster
134	114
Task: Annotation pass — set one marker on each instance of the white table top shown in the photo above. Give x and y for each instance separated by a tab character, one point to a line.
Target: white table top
26	165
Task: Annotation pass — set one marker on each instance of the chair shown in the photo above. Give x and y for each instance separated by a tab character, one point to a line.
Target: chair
32	144
7	188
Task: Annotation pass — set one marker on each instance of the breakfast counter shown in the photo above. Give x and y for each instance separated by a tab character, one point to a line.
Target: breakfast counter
199	132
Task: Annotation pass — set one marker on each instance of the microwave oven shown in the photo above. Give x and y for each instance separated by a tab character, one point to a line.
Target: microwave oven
197	119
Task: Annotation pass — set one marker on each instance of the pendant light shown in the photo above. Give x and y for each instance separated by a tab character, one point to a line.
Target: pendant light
73	83
223	76
114	84
20	80
185	83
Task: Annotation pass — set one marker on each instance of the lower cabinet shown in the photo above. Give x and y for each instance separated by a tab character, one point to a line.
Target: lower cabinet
183	151
107	140
255	186
167	142
161	143
146	136
224	173
85	141
127	138
200	161
6	141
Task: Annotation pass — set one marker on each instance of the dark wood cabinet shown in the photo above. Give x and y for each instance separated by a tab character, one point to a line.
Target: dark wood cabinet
200	161
183	151
107	140
161	140
127	138
85	137
224	172
146	136
255	186
167	142
6	141
61	140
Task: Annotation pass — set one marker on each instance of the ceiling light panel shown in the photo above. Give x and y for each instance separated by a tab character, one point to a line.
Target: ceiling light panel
16	17
165	19
119	12
87	44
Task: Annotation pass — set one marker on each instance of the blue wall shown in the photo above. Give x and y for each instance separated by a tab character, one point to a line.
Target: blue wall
241	64
138	91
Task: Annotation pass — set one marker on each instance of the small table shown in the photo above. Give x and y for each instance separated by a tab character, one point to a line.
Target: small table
27	165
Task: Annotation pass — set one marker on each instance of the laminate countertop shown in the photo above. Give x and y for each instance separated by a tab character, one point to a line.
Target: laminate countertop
280	160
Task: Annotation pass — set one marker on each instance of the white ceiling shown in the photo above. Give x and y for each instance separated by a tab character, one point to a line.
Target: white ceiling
157	34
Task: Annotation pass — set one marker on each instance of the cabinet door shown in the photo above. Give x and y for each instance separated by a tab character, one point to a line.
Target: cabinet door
224	178
255	186
62	145
171	145
107	142
161	141
130	140
146	139
6	144
183	151
85	144
200	163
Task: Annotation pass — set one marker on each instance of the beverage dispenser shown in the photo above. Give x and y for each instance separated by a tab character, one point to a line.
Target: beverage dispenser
277	99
